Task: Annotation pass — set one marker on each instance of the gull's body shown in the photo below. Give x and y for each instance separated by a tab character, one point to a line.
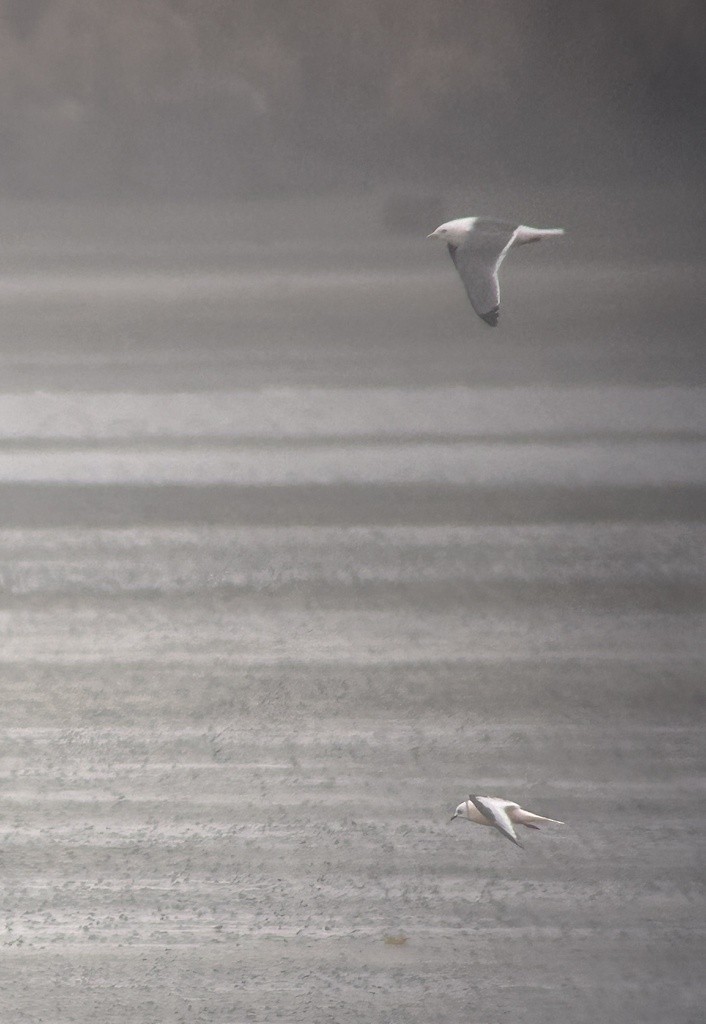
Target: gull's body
500	814
478	245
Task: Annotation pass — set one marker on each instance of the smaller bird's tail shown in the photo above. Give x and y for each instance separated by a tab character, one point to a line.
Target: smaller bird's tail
531	818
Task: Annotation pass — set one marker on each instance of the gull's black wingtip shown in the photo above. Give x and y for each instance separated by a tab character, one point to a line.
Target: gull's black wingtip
491	318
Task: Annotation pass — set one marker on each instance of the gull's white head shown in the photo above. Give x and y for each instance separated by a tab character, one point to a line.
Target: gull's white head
461	811
454	231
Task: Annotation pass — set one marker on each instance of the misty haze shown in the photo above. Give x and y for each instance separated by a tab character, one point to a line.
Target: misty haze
298	553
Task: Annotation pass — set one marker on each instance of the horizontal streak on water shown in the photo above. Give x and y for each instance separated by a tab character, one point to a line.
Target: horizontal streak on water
227	700
661	463
216	633
96	750
98	505
168	561
322	413
41	445
160	286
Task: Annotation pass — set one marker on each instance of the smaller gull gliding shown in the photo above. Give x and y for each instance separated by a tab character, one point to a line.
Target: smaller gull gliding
500	814
478	245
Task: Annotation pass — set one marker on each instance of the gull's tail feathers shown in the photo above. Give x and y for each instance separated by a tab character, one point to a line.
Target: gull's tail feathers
529	819
526	234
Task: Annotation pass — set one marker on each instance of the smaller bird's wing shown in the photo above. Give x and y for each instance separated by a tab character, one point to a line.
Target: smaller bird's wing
496	812
477	261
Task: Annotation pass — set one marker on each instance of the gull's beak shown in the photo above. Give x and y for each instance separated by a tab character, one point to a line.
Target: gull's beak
432	235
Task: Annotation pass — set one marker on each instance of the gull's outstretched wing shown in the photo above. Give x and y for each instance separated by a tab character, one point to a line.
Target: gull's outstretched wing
494	810
477	261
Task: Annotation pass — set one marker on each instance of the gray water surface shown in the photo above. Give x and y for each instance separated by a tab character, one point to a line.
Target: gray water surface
290	562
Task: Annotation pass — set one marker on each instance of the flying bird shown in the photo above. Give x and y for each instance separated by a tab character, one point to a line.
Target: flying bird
500	814
478	245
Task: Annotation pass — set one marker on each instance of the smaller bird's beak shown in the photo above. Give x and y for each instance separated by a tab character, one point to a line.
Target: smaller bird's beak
452	818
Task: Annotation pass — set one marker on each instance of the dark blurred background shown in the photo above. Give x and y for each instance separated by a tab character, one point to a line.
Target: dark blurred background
214	99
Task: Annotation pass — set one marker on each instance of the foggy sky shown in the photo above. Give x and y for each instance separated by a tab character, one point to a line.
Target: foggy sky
211	98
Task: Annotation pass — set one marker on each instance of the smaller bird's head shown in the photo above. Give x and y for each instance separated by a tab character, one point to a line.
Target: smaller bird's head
461	811
454	232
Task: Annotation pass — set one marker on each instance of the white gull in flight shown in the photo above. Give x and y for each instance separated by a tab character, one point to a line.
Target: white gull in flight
500	814
478	245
